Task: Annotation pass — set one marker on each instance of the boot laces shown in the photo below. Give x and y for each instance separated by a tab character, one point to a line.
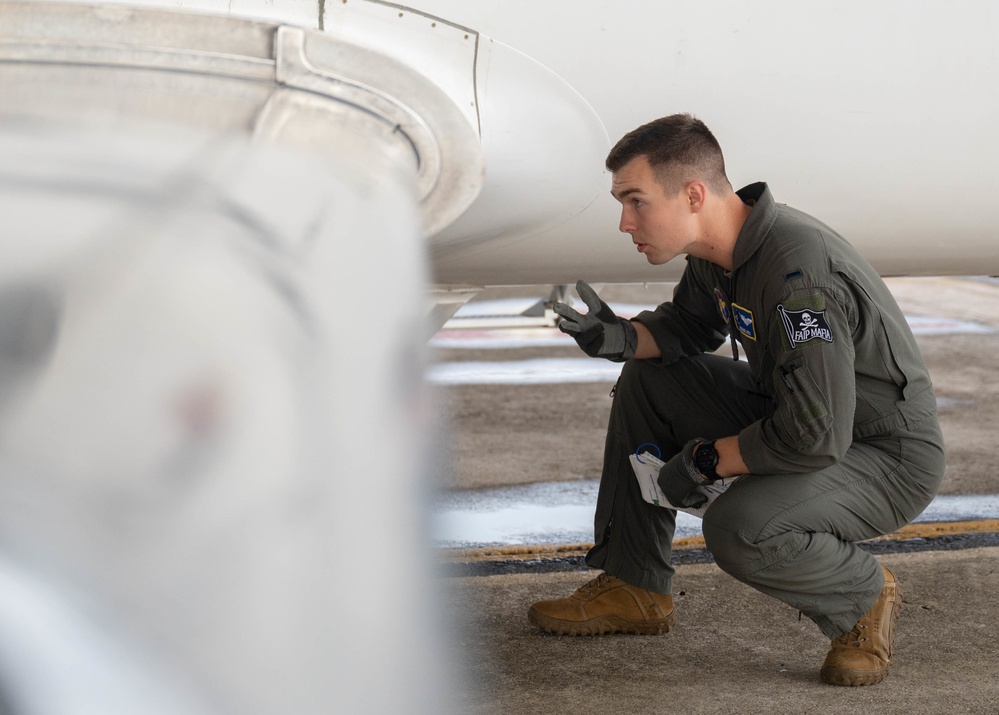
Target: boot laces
597	584
854	638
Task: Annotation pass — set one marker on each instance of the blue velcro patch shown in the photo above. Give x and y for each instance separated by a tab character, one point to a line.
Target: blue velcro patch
744	321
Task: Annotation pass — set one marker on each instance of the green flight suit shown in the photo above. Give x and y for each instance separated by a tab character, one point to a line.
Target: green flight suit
834	411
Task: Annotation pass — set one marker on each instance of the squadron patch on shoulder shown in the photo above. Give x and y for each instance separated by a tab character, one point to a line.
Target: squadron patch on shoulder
722	305
805	326
744	321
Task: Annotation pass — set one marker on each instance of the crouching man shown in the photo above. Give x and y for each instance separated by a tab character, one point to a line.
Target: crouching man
830	422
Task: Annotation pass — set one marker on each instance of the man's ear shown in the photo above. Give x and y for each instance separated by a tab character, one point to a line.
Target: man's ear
696	193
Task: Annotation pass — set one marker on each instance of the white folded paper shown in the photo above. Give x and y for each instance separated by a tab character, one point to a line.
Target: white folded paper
647	468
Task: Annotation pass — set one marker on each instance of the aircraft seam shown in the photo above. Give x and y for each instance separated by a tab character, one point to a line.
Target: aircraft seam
469	30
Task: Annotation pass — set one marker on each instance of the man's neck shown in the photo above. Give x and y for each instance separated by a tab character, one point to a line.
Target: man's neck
722	231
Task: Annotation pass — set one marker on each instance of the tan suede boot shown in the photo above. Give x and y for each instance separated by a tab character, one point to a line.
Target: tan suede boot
605	605
863	656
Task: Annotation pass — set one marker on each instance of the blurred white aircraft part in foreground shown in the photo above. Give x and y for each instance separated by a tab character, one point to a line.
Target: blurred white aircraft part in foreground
201	430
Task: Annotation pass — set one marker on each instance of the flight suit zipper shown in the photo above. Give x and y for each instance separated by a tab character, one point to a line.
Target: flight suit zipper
784	373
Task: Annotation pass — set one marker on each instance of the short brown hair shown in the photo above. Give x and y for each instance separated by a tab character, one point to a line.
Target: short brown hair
679	148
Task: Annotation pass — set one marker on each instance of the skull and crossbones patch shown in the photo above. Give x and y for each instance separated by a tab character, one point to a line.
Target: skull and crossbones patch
805	326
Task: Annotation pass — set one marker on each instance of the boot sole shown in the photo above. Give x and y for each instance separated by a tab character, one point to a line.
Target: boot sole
854	678
604	625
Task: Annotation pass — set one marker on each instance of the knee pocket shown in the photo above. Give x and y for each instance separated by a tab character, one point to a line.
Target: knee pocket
730	526
740	553
733	538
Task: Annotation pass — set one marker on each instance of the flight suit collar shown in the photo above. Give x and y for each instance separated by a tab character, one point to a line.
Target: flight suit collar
758	225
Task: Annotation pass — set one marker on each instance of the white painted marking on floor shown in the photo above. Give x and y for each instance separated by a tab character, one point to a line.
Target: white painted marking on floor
562	513
505	339
545	371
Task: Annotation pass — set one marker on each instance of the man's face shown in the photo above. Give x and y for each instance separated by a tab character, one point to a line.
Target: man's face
662	226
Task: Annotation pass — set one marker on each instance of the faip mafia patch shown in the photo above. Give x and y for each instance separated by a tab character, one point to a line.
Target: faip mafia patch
805	326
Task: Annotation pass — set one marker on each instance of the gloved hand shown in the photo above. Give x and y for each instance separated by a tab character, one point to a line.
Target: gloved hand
678	478
599	333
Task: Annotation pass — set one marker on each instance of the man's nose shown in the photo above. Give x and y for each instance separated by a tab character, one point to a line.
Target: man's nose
627	225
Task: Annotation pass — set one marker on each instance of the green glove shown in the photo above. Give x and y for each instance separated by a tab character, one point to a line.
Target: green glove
599	333
679	478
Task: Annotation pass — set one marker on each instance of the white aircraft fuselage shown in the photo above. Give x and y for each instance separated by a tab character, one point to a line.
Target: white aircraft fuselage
877	119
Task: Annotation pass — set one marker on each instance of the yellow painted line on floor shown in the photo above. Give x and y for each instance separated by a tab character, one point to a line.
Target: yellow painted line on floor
932	529
926	530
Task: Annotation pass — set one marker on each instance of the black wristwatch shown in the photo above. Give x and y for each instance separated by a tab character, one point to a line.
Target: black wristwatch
706	459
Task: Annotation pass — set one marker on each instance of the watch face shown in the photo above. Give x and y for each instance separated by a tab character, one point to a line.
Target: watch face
706	458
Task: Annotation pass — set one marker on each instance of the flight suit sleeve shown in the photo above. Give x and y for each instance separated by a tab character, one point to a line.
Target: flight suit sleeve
810	336
691	323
